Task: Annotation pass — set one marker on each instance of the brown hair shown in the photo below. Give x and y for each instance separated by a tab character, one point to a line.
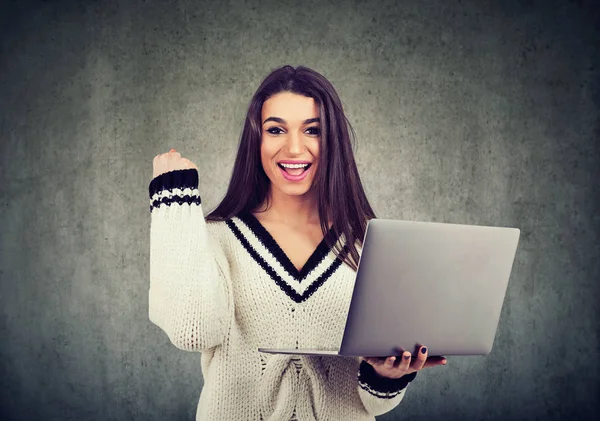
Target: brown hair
341	197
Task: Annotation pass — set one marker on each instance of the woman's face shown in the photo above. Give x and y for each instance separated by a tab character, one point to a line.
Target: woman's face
291	133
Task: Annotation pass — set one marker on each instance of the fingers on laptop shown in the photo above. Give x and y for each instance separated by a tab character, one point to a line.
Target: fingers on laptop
404	360
405	363
434	361
420	359
389	362
423	360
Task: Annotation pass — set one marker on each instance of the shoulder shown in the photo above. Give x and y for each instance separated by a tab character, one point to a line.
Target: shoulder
218	229
222	243
225	232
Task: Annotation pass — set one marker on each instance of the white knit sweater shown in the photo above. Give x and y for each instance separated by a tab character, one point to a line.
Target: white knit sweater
226	288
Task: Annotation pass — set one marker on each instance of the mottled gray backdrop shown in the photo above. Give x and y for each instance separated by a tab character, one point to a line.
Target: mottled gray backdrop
471	111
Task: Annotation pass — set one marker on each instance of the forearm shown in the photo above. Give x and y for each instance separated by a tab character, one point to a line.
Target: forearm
379	394
188	295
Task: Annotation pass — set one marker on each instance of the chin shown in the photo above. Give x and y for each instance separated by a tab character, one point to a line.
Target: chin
299	190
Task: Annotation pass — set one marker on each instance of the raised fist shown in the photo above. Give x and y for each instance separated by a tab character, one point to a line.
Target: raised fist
170	161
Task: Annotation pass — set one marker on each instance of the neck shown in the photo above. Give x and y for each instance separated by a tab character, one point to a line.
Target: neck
291	210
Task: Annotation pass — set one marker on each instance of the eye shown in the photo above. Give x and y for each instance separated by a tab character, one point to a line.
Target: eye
274	130
315	131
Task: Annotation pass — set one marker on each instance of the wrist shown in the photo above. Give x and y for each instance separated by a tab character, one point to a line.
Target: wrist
368	376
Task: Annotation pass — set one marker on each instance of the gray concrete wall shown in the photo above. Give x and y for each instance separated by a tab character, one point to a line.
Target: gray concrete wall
481	112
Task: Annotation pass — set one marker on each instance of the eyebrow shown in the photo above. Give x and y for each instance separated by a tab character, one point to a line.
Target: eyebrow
282	121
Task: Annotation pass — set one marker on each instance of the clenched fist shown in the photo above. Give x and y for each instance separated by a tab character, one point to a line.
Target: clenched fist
170	161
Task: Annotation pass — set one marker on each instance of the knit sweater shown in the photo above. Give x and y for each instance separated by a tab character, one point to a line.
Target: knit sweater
226	288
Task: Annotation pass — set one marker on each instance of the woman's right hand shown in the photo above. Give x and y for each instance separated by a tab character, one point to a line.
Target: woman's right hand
170	161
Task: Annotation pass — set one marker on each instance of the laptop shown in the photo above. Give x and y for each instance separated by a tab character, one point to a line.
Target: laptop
426	283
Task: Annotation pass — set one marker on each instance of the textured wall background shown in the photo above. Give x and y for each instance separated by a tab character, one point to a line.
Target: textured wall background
466	111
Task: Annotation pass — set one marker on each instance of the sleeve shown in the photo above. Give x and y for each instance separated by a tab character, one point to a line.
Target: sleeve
379	394
190	287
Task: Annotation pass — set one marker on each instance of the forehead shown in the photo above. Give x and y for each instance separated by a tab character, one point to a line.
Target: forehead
290	107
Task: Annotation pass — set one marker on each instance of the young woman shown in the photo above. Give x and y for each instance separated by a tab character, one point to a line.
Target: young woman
273	265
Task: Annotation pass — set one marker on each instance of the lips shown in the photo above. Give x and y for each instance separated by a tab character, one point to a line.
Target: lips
294	170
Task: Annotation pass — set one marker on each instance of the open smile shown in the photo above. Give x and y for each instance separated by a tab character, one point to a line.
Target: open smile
296	171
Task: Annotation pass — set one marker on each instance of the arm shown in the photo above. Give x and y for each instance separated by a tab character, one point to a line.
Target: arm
380	394
190	293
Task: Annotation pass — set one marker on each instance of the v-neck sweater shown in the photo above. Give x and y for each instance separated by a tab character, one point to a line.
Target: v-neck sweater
226	288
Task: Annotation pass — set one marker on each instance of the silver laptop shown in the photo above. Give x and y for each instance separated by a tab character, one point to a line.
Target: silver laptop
426	283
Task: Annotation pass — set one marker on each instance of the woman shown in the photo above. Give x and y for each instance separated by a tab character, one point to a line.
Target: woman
273	265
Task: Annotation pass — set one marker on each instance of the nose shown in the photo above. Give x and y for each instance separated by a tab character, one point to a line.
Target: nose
295	143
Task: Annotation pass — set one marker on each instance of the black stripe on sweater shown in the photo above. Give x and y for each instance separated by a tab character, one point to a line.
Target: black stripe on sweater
381	387
289	291
175	199
270	244
178	179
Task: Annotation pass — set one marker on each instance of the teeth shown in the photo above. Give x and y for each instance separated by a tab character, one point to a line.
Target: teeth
294	165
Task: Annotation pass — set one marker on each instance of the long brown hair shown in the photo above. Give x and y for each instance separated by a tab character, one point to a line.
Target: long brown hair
341	197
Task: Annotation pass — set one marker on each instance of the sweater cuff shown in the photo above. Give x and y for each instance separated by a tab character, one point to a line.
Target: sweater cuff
178	179
369	380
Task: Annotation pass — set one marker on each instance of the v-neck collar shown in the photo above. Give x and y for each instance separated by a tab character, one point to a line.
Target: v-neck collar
273	247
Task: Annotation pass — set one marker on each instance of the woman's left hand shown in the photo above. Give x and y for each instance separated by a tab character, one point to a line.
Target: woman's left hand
396	367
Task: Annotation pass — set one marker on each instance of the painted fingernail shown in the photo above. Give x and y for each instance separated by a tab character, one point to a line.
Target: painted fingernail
392	359
407	357
423	350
